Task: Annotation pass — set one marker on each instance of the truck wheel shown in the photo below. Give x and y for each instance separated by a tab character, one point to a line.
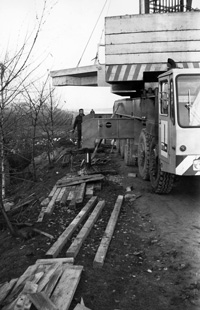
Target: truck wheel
143	155
122	147
130	158
161	182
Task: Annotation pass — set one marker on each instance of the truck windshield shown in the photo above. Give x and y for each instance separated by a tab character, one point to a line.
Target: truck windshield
188	95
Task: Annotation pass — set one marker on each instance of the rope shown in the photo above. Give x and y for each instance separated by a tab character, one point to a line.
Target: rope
92	33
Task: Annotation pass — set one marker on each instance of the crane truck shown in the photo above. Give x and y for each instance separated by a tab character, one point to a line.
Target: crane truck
153	59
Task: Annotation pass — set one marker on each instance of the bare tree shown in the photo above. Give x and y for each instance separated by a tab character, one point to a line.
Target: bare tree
15	72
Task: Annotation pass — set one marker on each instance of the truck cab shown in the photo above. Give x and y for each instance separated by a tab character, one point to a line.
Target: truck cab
179	121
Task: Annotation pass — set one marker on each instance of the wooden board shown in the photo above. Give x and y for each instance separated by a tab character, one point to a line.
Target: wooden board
65	289
80	193
84	232
91	179
60	195
71	193
52	191
65	196
48	275
81	307
41	215
64	237
103	248
53	281
51	205
89	190
79	178
62	260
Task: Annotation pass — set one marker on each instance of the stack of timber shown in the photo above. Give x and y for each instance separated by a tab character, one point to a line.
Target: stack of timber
70	191
49	284
78	241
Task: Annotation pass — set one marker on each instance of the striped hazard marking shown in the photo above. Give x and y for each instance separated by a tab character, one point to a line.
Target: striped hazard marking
134	72
184	165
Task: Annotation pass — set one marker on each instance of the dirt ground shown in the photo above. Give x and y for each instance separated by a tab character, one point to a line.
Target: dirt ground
153	259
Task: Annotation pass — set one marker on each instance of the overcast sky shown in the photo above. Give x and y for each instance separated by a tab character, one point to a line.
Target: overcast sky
63	38
68	27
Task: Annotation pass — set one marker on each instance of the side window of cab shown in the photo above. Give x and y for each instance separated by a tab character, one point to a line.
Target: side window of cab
164	97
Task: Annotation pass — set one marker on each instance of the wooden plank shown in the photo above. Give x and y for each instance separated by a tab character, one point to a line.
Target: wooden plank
71	193
64	237
79	178
103	248
53	281
84	232
89	190
65	196
41	215
62	260
59	197
73	196
81	307
91	179
41	301
6	289
51	205
52	191
47	276
65	289
81	193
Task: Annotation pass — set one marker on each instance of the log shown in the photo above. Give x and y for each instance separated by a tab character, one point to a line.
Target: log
103	248
84	232
64	237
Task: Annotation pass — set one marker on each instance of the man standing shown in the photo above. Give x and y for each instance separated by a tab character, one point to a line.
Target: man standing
78	125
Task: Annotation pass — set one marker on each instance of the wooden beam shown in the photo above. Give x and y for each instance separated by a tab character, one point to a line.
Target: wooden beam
64	237
84	232
103	248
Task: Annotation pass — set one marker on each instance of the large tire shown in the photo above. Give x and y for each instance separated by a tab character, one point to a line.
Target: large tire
130	158
143	155
122	147
161	182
